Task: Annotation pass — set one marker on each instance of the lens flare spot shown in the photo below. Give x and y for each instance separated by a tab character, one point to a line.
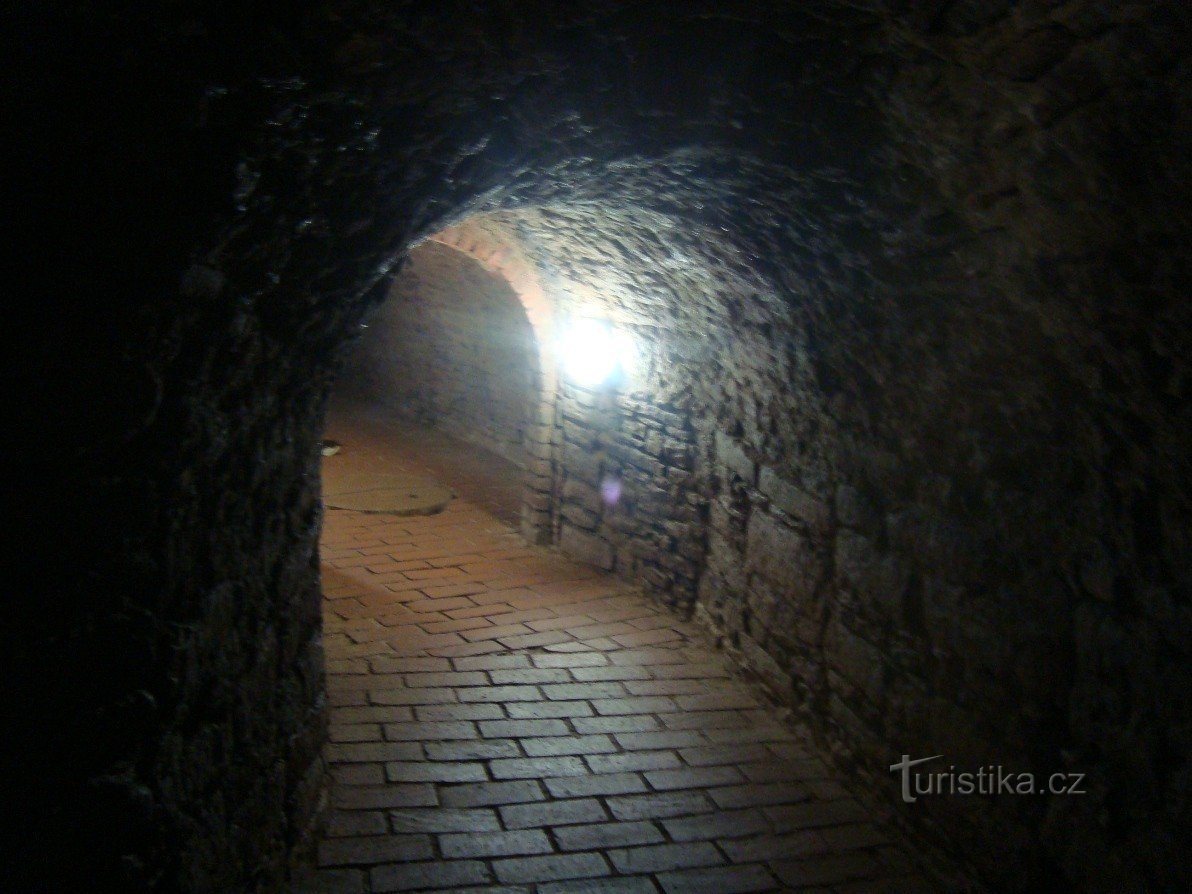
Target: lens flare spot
610	490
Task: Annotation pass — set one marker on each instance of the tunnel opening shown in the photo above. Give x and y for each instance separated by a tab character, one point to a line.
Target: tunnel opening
449	356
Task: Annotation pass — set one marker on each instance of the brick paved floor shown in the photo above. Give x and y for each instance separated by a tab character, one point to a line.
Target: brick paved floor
506	720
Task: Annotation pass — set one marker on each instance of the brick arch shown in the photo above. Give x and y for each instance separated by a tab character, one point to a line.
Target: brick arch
502	256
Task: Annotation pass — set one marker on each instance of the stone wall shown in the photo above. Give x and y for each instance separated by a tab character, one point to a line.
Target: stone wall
627	498
452	348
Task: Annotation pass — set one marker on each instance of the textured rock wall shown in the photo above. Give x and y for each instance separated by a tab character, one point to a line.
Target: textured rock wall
451	347
627	498
915	279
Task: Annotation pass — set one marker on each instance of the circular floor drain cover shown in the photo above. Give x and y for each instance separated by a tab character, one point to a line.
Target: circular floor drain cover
385	493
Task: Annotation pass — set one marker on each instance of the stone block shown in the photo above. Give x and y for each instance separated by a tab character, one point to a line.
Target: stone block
732	457
586	547
781	555
582	494
856	659
582	463
793	500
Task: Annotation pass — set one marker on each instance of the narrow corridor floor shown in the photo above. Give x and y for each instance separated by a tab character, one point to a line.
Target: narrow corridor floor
506	720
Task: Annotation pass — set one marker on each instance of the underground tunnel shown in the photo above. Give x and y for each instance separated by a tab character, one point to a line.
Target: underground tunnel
795	396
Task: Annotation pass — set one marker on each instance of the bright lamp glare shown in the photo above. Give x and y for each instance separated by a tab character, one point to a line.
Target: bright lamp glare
591	352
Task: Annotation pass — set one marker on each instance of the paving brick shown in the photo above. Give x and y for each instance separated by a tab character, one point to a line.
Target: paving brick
658	806
374	849
438	605
493	610
380	796
491	662
495	844
428	876
592	631
693	777
554	745
454	651
718	825
532	710
371	714
580	659
421	696
666	687
559	622
648	657
661	739
754	732
500	694
532	675
356	822
444	819
537	768
705	720
608	673
474	711
500	729
725	700
496	632
430	771
606	835
552	813
373	752
663	857
711	755
621	723
455	625
530	640
724	880
448	678
354	732
358	774
495	597
595	784
570	691
480	749
482	794
431	731
633	705
649	637
552	868
589	645
636	760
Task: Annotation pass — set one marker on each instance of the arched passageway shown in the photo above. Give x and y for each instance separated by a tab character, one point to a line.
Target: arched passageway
908	427
451	348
